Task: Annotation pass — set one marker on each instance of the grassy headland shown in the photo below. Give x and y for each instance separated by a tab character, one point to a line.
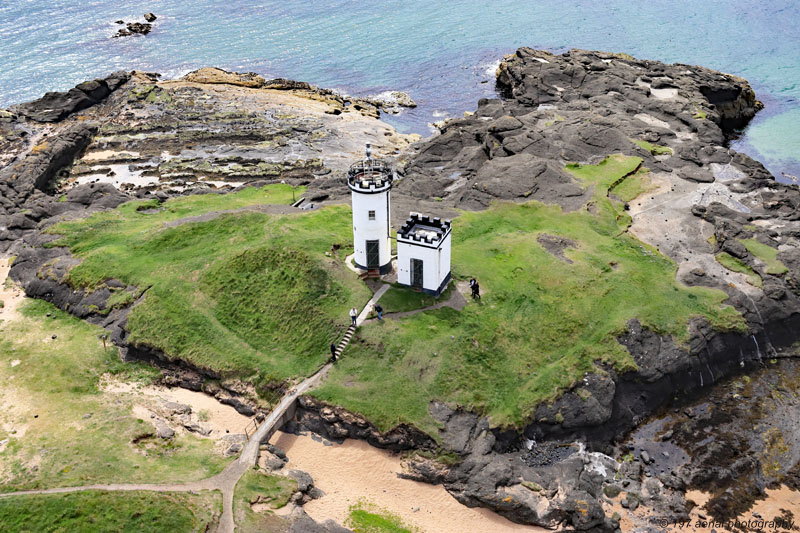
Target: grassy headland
253	294
543	321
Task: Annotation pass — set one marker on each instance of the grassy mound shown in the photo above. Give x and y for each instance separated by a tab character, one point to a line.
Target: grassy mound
734	264
543	322
767	254
654	149
247	293
259	488
366	517
98	511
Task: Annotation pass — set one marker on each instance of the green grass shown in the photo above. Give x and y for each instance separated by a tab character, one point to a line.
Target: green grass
99	511
399	299
366	517
542	323
654	149
258	486
633	186
245	294
767	254
736	265
50	392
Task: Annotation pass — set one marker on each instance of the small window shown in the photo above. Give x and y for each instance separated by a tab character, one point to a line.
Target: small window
372	215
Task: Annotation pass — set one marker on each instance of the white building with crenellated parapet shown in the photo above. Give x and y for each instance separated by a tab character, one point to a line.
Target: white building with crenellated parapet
423	253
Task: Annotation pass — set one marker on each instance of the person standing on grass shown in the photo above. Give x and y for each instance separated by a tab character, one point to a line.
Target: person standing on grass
379	310
354	315
333	352
476	291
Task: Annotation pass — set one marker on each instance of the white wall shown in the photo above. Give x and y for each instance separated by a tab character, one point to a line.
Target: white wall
444	260
435	263
371	230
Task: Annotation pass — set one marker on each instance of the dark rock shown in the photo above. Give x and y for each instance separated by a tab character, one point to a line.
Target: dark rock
272	461
55	106
177	408
163	431
612	491
335	423
233	449
135	28
696	174
150	17
304	481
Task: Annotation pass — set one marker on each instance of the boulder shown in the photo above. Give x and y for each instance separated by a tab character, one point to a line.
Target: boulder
219	76
163	431
304	480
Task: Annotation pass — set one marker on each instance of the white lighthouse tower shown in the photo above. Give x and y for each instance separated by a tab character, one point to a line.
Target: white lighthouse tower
371	182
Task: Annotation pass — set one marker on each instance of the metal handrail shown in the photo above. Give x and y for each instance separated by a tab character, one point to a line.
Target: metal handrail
369	166
253	422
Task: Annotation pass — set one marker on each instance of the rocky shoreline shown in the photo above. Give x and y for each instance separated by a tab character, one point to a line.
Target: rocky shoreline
214	131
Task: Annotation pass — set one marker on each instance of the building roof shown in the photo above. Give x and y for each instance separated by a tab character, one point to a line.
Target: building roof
424	229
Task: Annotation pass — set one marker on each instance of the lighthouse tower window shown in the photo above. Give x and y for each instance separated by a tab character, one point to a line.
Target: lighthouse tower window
371	215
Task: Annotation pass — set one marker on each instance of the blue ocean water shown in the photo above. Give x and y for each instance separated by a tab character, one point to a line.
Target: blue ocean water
442	53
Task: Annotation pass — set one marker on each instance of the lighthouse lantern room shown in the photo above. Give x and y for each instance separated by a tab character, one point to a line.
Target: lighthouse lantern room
370	181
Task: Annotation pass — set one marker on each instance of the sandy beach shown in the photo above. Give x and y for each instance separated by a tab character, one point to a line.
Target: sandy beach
354	471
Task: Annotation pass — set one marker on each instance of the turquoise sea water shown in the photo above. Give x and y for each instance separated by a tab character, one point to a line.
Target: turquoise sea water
442	53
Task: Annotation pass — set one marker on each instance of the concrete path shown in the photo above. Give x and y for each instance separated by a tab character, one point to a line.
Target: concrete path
368	308
226	480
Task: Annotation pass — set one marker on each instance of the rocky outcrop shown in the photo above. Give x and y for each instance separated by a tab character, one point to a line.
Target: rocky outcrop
136	28
336	423
563	492
56	106
576	107
213	75
391	101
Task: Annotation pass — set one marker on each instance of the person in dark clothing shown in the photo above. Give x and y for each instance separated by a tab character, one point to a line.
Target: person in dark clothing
333	352
476	291
379	310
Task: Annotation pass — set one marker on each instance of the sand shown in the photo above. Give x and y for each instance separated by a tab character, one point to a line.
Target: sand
11	296
221	419
354	471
